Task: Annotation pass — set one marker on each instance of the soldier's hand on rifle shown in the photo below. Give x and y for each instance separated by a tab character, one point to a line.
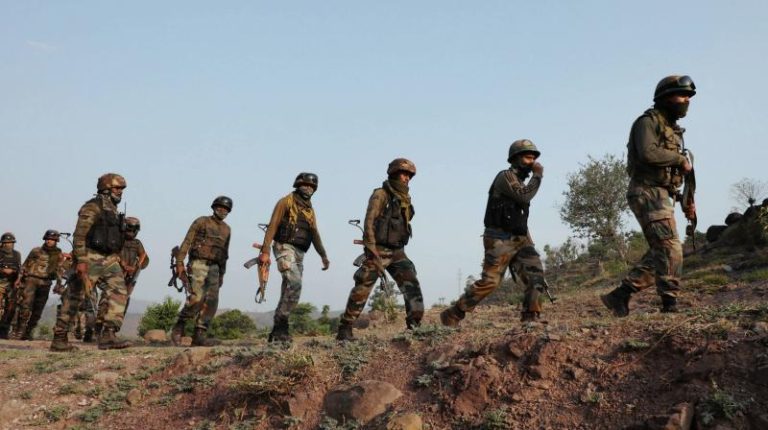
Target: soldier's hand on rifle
537	169
7	271
326	263
690	213
58	289
82	270
181	272
264	258
129	270
687	166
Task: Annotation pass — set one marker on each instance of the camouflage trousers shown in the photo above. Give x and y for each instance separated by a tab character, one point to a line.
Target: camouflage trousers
8	296
32	299
402	270
102	270
662	264
202	293
290	263
516	253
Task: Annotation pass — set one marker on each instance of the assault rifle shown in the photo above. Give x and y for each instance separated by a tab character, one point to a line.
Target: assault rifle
545	288
384	283
263	269
175	276
688	201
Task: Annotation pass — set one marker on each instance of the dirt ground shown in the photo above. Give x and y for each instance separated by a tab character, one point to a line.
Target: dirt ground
581	369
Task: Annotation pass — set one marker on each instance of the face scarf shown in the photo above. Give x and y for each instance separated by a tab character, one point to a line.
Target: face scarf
298	204
400	190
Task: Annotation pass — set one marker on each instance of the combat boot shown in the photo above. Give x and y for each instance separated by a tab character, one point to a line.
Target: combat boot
618	301
345	332
28	334
412	324
527	316
177	332
91	333
280	333
108	340
18	332
4	331
79	332
668	304
199	339
451	316
60	343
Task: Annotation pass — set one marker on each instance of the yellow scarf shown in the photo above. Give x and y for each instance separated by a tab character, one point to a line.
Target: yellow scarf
297	204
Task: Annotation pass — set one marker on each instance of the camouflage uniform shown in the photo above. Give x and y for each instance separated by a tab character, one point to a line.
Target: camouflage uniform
388	209
97	242
9	259
293	227
654	163
207	242
507	246
40	269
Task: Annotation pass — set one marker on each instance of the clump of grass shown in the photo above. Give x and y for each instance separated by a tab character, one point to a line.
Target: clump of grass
276	377
188	382
424	380
25	395
351	357
719	404
755	275
714	279
496	419
329	423
82	375
56	413
50	365
115	366
68	389
630	345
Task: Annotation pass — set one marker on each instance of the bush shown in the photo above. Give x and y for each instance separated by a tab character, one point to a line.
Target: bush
161	316
232	324
301	321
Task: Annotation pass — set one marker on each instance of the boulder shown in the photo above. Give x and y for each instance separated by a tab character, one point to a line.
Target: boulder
133	397
361	402
156	336
409	421
106	378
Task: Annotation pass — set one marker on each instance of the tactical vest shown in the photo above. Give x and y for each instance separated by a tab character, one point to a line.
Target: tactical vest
209	244
505	214
45	263
10	260
391	229
106	234
130	252
670	138
298	235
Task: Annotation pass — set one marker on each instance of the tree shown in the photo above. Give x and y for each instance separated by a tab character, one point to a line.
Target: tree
160	316
558	257
384	299
232	324
301	321
749	191
595	201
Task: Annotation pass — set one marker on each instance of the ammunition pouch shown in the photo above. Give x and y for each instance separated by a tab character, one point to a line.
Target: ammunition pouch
298	235
391	229
106	234
506	215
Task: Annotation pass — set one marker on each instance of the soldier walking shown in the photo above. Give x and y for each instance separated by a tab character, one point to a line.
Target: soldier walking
657	165
506	238
98	239
10	268
293	227
386	231
40	269
207	242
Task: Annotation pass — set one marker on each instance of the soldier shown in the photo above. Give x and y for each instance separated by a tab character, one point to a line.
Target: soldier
506	238
41	268
387	230
10	266
98	239
207	242
293	227
656	166
133	259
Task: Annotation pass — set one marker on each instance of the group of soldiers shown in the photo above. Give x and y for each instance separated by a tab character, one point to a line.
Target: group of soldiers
105	255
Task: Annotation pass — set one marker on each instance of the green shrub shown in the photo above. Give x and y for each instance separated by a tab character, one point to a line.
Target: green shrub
232	324
160	316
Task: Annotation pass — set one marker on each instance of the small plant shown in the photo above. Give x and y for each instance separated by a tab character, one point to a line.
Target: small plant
756	275
68	389
719	404
187	383
291	421
115	366
56	413
92	414
93	392
161	316
630	345
714	279
12	374
114	401
25	395
424	380
83	375
351	357
329	423
496	419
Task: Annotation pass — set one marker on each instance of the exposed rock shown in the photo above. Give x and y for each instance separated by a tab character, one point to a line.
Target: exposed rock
133	397
188	358
361	402
185	341
409	421
573	373
681	417
106	378
363	322
303	402
155	336
441	357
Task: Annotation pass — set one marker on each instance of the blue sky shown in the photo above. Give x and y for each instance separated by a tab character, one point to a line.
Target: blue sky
189	100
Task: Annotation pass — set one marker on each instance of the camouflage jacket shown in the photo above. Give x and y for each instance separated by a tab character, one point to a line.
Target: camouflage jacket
511	184
10	259
131	253
654	151
44	263
377	204
207	239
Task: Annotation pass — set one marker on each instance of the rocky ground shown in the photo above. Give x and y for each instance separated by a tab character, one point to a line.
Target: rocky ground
705	367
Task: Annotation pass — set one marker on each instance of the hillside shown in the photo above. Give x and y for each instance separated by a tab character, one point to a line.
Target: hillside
705	367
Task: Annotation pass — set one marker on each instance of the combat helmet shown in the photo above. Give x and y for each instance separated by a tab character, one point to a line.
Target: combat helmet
675	84
522	146
401	165
8	237
51	235
222	201
132	224
306	178
110	180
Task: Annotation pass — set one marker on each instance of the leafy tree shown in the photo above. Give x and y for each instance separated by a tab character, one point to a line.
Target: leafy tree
384	299
301	321
558	257
160	316
232	324
595	202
